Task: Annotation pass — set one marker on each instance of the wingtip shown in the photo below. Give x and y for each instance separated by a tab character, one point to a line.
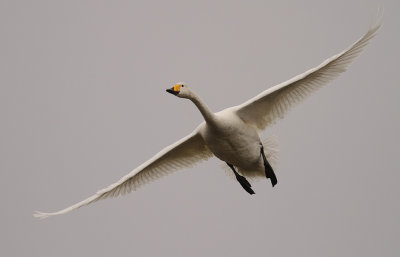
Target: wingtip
40	215
377	20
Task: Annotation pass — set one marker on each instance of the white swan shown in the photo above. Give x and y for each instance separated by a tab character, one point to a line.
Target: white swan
231	134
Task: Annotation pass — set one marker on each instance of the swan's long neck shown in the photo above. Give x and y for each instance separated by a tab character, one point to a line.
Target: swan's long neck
208	115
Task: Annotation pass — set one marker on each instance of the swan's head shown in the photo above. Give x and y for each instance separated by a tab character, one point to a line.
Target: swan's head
180	89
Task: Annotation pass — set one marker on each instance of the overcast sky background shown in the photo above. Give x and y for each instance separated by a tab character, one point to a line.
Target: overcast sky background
83	102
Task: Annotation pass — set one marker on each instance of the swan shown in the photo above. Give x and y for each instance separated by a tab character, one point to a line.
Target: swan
232	135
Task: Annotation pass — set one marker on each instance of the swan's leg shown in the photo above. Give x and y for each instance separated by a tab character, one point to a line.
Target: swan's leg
269	172
242	180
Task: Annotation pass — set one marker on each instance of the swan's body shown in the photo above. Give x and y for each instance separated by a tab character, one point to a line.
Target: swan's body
232	134
233	141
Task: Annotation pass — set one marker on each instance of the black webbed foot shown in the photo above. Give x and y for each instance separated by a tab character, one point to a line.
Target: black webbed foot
242	180
269	172
245	184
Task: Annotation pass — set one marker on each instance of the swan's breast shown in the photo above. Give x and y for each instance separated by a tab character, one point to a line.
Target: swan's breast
233	141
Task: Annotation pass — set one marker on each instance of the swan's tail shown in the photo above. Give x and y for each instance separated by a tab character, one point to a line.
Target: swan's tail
271	149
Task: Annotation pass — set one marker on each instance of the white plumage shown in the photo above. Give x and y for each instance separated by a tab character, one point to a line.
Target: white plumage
232	134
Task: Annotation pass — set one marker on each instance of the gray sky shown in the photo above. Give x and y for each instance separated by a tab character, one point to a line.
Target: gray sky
83	102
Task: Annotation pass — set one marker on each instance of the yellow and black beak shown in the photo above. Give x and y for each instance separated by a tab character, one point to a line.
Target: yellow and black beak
174	90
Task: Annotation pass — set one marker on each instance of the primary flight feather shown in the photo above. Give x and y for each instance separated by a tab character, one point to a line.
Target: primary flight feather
232	134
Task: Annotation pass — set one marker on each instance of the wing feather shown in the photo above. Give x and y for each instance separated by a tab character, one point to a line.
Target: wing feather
182	154
272	104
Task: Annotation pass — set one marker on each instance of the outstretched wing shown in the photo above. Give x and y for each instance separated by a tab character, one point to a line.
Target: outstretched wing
269	106
182	154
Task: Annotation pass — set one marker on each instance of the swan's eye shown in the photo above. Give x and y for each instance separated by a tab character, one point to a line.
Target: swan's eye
183	85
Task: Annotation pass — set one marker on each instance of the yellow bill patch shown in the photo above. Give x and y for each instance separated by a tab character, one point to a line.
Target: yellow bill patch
177	88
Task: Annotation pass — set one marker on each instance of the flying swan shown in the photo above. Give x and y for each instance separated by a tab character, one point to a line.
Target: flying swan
231	134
